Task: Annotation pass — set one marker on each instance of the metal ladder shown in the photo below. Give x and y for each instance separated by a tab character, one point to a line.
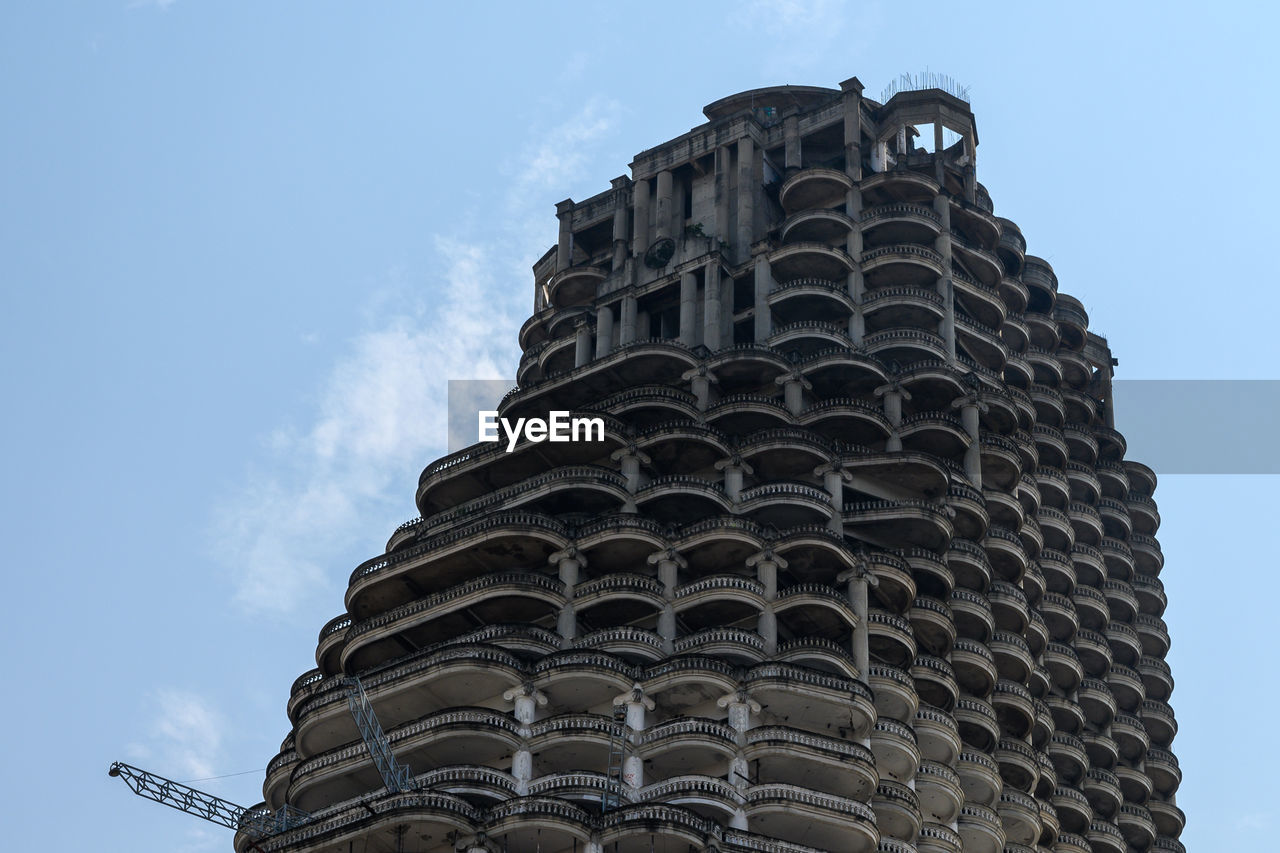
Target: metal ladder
617	757
394	774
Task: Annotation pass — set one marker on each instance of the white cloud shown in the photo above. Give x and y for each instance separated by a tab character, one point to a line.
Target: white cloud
382	410
184	737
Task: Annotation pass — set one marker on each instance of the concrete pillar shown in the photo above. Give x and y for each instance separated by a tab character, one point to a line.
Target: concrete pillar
711	306
766	563
688	309
723	165
893	395
833	479
662	207
620	186
793	387
630	459
746	199
971	407
856	283
859	579
582	343
763	284
946	288
568	561
669	563
526	699
640	221
791	139
604	330
700	381
636	705
851	95
564	245
971	169
740	707
734	468
627	332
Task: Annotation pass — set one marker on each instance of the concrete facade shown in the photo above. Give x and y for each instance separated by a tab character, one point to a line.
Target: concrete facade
860	564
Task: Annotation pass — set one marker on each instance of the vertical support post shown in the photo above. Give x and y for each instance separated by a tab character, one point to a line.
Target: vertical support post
763	284
564	245
688	309
746	198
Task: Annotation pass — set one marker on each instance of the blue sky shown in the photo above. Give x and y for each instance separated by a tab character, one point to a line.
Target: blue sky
245	244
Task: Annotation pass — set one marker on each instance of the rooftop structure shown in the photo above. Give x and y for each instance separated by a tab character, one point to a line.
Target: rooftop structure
858	565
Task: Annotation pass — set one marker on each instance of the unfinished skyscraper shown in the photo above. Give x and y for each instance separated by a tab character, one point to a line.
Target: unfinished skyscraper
859	564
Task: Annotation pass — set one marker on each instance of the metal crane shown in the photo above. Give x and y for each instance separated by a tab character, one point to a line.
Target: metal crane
261	823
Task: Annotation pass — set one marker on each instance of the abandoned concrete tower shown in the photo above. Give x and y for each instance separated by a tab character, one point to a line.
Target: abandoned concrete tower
859	565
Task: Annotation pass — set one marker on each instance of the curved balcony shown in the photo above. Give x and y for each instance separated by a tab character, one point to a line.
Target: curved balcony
901	264
1068	756
899	222
785	755
1131	737
902	306
1157	680
1063	665
897	755
1073	321
983	343
1076	372
1059	572
814	188
1136	825
906	346
894	691
979	778
980	829
1149	591
810	260
783	505
1169	820
1135	785
792	812
897	810
1153	633
937	734
1009	607
1074	812
1105	837
890	638
1101	749
1091	607
816	226
634	645
1125	647
900	523
1142	480
1103	790
575	286
1142	509
808	337
848	420
809	299
1118	558
1018	764
1020	816
935	682
1158	719
1067	713
1147	557
975	667
815	701
932	625
685	745
1012	247
1045	366
1093	650
1014	709
1014	293
983	265
977	723
939	791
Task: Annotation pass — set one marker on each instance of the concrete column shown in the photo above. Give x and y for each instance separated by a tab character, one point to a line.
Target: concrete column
856	283
740	707
946	287
640	222
700	381
631	458
734	469
628	320
791	139
833	479
636	704
582	343
859	579
564	245
893	395
662	207
669	563
723	165
569	562
763	284
793	385
971	407
971	169
766	563
527	699
604	330
688	309
851	95
711	306
746	199
620	186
